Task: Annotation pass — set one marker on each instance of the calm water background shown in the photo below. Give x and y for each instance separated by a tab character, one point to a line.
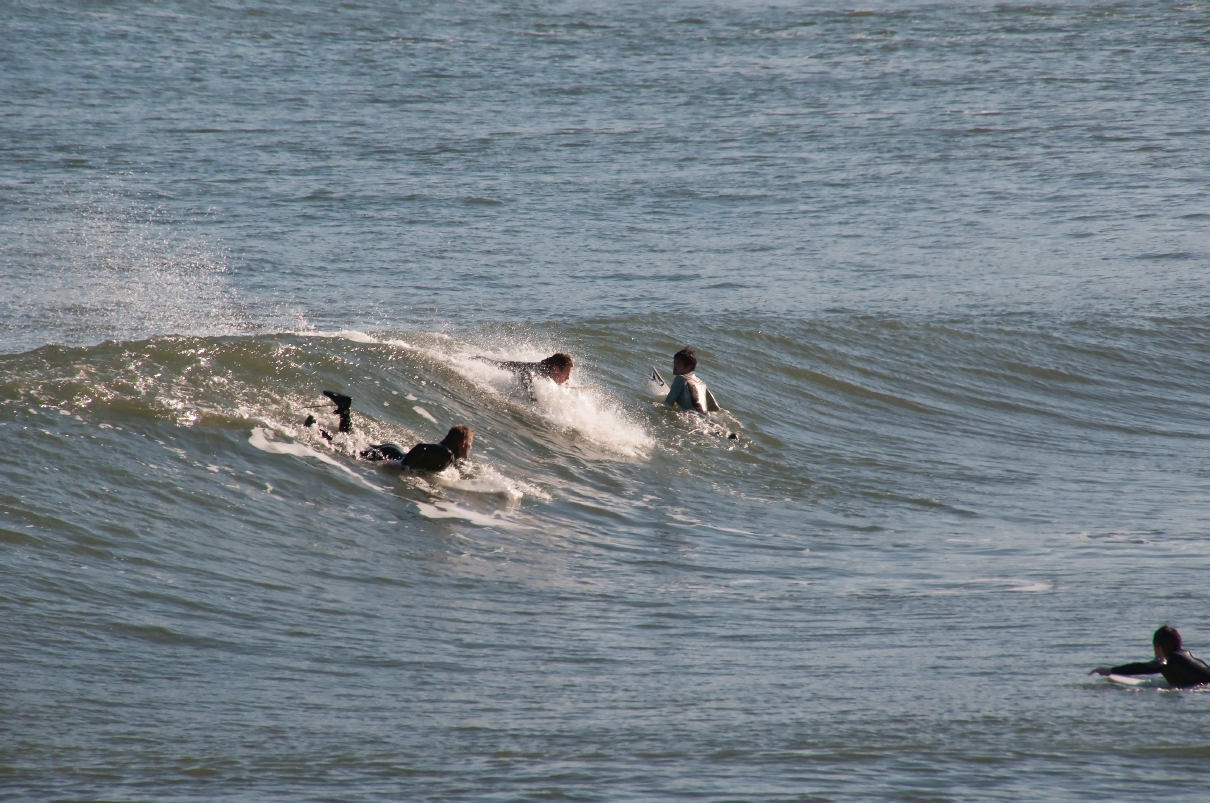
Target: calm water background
945	266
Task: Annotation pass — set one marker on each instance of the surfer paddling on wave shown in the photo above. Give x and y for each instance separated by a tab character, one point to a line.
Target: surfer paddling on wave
556	368
1178	666
428	456
422	457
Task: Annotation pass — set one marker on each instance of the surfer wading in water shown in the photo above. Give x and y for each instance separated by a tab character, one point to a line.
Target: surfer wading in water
687	391
1178	666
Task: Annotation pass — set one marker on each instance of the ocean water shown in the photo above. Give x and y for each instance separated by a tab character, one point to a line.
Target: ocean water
945	266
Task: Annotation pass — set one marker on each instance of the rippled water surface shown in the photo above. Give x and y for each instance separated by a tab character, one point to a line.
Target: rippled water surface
945	268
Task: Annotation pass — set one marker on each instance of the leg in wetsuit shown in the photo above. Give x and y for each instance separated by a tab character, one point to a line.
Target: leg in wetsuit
343	409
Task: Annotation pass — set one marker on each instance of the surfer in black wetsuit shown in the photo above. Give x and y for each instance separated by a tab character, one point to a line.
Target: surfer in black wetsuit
556	368
428	456
421	457
1178	666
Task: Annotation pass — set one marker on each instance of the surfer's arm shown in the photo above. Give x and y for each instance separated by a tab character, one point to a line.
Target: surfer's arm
675	391
1138	668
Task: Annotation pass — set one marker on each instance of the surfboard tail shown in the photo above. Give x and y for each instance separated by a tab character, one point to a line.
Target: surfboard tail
656	378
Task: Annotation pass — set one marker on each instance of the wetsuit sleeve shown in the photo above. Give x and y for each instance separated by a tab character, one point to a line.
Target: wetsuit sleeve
1141	668
675	390
524	371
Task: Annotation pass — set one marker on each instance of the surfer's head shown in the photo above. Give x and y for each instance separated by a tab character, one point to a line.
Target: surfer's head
1166	640
459	441
684	362
557	367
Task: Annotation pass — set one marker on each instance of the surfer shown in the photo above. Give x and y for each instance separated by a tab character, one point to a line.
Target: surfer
687	391
556	368
428	456
1178	666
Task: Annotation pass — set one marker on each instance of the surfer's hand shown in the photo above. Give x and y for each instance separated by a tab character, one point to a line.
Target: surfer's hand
1101	670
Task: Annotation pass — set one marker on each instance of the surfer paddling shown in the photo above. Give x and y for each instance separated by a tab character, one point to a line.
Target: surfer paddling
1178	666
556	368
428	456
422	457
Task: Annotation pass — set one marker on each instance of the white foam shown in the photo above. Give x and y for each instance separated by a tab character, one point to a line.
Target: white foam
262	439
1041	585
595	416
346	334
356	336
481	478
448	510
425	413
585	409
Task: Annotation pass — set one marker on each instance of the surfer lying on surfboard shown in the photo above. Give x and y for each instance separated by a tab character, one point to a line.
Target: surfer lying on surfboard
428	456
1178	666
556	368
422	457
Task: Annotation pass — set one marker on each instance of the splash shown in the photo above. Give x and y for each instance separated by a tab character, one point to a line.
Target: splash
594	415
481	478
107	268
582	407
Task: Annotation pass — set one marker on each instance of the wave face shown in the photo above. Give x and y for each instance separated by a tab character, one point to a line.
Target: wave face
943	267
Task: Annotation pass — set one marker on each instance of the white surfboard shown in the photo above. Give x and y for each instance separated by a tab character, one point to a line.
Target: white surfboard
1126	680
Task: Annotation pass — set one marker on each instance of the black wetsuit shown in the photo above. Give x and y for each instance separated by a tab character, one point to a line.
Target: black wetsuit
1179	668
421	457
343	404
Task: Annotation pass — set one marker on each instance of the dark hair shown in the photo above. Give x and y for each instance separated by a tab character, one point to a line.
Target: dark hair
686	356
457	436
559	360
1167	639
